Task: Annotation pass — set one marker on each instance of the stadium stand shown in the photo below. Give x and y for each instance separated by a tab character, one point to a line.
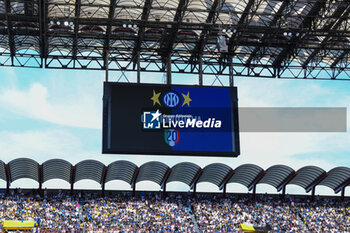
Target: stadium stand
100	211
87	211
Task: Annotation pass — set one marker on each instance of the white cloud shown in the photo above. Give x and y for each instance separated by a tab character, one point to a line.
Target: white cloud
40	145
35	102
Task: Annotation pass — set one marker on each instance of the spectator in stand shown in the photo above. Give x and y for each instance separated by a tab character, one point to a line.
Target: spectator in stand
59	212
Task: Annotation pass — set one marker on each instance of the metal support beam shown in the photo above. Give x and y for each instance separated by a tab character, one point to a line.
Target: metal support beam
105	52
254	192
168	70
195	181
210	23
240	24
307	22
142	26
104	175
29	7
334	24
106	66
316	182
11	39
273	22
43	31
256	181
163	185
343	185
224	182
133	184
231	76
339	58
167	43
40	171
343	194
72	180
8	178
76	30
313	193
200	71
286	181
138	67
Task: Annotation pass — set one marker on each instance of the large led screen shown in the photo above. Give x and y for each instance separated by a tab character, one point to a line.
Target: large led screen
170	120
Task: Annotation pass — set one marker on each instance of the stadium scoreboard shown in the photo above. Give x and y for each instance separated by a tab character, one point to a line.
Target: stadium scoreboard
170	120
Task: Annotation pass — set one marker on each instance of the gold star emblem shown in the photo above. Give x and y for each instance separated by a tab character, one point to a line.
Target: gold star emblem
155	98
187	99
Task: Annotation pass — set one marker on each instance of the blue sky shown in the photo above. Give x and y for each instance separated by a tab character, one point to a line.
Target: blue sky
49	114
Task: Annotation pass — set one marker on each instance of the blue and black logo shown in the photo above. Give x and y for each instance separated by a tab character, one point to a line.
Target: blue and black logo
171	99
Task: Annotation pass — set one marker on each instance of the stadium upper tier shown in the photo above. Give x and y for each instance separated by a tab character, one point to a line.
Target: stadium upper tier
218	174
264	38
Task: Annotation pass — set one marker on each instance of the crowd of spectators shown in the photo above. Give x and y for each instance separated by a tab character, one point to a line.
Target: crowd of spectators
325	215
148	214
120	212
57	211
225	215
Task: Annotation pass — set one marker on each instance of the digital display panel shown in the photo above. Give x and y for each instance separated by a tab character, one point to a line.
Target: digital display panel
170	120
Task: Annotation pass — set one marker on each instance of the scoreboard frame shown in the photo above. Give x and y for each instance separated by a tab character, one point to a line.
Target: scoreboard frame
106	122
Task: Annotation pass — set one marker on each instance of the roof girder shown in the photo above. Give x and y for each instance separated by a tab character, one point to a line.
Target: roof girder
333	25
319	4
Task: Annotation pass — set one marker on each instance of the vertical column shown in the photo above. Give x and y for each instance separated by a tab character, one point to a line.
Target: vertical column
72	179
165	182
194	190
343	193
200	68
134	182
284	193
134	189
105	170
168	70
224	193
8	178
254	192
107	64
196	179
40	170
138	67
313	193
231	72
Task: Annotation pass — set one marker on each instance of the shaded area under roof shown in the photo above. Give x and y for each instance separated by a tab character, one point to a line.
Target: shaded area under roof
24	168
336	177
184	172
89	169
306	176
121	170
57	169
152	171
2	171
245	174
265	38
276	174
215	173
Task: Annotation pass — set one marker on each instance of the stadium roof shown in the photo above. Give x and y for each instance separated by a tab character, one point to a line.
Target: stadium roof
265	38
219	174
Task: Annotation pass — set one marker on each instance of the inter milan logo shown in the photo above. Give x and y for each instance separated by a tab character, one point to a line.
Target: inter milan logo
171	99
171	136
151	120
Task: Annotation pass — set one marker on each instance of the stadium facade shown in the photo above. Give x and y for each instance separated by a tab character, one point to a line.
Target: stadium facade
248	175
